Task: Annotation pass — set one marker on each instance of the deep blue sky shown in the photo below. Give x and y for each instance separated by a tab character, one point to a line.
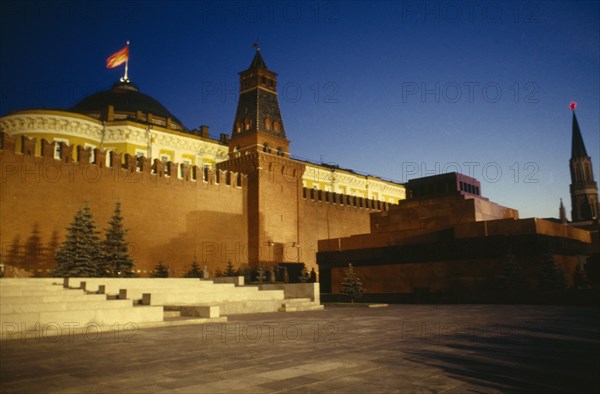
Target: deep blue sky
371	86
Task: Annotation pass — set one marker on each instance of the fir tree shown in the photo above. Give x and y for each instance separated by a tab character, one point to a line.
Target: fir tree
579	278
160	271
115	253
229	270
514	277
351	285
246	273
304	276
260	274
195	271
80	253
552	278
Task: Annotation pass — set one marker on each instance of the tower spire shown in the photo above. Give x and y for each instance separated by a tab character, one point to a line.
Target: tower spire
584	190
258	123
562	214
577	145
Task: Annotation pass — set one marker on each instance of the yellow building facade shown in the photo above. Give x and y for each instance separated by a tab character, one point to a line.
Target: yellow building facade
99	121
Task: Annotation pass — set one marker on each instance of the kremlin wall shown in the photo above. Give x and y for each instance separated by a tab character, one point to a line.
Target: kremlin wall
243	198
171	219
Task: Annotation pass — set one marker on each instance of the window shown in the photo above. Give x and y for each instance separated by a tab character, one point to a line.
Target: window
183	163
109	156
268	124
279	151
92	152
58	147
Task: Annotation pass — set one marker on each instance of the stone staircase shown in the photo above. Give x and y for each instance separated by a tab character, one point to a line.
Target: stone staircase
52	306
176	293
40	307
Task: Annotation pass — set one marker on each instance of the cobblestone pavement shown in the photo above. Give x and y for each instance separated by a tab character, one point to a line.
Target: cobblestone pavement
402	348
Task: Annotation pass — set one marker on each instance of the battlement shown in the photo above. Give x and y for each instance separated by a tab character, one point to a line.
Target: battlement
133	166
344	200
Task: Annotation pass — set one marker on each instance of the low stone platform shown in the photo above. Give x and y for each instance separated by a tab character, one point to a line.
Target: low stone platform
41	307
398	349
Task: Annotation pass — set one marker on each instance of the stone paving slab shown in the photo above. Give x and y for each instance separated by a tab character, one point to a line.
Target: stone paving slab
399	349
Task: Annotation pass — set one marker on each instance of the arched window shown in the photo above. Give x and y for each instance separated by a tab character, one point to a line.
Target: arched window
268	124
266	148
238	127
276	126
247	124
279	151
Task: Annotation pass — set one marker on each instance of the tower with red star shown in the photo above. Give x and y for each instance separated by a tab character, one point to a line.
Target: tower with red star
583	188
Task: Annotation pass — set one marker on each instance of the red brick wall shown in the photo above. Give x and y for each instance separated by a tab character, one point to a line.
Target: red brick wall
168	219
325	220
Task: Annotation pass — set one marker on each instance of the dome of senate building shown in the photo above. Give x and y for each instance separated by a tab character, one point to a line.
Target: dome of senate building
125	102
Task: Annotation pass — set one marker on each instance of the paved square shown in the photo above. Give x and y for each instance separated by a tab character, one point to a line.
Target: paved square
402	348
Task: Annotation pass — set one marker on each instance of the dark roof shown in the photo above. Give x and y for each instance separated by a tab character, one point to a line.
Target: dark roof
258	61
124	97
577	146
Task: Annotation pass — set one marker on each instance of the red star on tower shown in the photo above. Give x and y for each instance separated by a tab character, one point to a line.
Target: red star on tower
572	105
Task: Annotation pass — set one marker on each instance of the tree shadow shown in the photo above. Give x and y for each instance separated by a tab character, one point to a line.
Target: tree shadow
33	256
560	354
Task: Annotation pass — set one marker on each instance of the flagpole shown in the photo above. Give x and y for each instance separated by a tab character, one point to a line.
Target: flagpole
126	63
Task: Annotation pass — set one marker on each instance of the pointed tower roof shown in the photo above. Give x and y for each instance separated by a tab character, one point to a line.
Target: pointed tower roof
258	106
577	146
562	213
258	61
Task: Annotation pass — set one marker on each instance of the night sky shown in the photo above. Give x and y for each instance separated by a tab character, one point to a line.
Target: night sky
394	89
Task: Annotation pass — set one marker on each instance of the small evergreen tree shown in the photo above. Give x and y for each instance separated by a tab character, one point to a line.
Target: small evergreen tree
115	253
514	278
351	285
272	276
304	275
579	278
260	274
552	278
218	273
160	271
229	270
195	271
80	253
246	273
